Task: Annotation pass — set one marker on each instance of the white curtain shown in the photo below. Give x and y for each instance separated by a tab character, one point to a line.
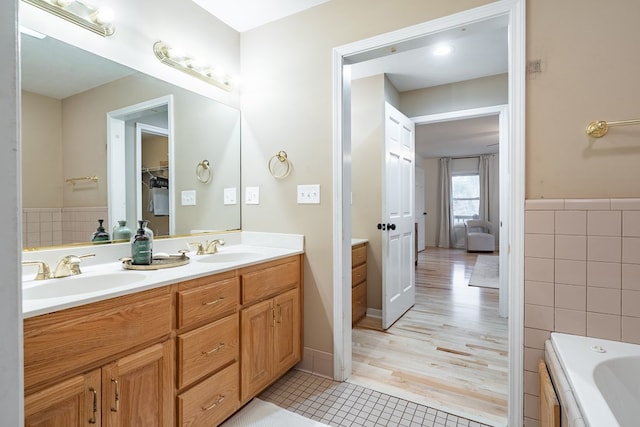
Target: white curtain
444	236
488	170
484	171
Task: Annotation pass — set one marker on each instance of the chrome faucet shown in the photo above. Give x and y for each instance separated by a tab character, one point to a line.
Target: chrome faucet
207	247
69	265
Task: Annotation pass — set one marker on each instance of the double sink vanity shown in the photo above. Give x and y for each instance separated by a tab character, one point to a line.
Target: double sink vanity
183	346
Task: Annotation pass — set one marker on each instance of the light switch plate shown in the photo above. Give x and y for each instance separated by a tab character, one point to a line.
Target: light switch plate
309	194
252	195
189	198
230	196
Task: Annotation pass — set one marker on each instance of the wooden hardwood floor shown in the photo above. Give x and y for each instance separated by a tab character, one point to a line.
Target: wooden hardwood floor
449	351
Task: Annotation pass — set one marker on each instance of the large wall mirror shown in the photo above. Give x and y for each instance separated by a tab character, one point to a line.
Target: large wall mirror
70	175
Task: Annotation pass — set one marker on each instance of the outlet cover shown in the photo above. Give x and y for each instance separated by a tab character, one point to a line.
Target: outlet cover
189	198
230	196
309	194
252	195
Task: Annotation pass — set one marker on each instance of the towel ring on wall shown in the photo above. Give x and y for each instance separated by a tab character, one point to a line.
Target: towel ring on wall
279	165
203	172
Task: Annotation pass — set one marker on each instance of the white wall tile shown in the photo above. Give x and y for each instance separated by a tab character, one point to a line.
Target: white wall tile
570	272
539	222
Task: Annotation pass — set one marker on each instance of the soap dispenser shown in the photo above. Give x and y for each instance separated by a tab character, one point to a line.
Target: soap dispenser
149	233
141	247
100	235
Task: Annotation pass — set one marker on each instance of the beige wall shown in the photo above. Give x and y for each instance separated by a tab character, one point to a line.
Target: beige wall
286	104
367	115
42	179
203	129
476	93
589	72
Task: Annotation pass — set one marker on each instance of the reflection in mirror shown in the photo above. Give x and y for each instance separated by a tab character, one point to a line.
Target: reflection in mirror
67	95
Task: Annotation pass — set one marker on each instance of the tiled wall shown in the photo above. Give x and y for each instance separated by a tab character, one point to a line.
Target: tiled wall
58	226
582	276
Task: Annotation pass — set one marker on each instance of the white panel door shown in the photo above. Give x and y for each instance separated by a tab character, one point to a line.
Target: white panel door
398	199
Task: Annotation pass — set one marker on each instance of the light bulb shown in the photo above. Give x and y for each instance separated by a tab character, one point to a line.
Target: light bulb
103	16
442	50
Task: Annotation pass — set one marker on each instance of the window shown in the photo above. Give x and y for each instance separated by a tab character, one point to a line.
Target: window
465	198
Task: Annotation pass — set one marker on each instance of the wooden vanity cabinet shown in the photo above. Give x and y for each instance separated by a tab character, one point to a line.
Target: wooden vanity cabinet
186	354
358	282
72	402
104	364
208	344
271	323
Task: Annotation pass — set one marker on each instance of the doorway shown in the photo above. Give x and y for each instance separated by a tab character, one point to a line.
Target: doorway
125	161
513	12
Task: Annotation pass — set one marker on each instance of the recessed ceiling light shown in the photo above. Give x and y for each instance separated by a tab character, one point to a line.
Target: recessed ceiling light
442	50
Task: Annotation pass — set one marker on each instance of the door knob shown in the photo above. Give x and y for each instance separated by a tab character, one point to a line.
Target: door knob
391	226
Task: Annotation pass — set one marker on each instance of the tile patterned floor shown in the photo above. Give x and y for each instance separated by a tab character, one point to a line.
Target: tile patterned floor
344	404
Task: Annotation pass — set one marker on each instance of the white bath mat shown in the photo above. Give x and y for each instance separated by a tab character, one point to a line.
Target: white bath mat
486	272
259	413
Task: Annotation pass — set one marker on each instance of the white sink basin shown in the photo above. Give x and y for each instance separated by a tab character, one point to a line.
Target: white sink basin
79	285
222	257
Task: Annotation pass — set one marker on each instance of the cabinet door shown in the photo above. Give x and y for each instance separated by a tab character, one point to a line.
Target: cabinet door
286	347
137	389
256	325
72	403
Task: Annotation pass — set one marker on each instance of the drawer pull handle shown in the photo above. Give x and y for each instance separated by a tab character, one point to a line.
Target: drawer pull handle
218	348
213	302
92	420
116	396
214	404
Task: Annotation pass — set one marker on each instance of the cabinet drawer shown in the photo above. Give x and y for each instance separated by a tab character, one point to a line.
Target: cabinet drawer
358	274
273	278
207	348
67	341
358	255
208	300
359	302
210	402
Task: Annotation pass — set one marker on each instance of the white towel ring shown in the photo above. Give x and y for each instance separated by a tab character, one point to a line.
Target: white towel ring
279	165
203	172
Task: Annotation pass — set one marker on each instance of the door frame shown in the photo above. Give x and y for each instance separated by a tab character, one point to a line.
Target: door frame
514	11
116	157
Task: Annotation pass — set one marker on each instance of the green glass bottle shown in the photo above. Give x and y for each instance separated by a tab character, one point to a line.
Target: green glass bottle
121	231
100	235
141	247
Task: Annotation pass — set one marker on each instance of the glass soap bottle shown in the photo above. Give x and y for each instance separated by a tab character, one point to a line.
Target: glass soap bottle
121	231
100	235
141	247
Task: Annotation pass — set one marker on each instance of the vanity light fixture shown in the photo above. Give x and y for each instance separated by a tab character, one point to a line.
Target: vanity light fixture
181	61
80	13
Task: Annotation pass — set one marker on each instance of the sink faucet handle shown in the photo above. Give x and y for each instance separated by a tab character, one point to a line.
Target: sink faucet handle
199	246
44	272
70	265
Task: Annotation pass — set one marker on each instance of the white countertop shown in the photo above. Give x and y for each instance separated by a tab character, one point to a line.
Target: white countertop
355	241
249	249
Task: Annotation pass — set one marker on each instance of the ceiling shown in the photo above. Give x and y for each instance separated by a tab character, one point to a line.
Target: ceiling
243	15
478	50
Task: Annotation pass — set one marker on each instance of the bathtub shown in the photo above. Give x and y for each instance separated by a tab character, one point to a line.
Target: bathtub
604	377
